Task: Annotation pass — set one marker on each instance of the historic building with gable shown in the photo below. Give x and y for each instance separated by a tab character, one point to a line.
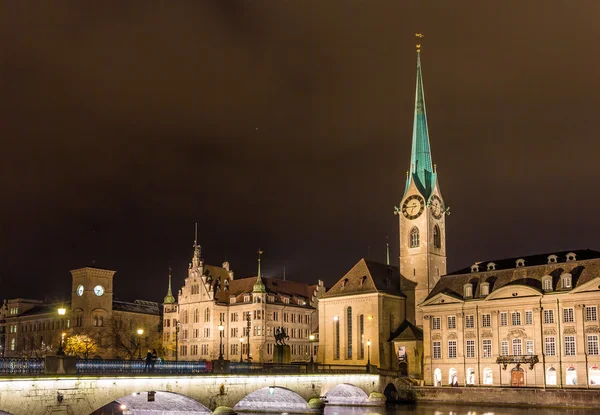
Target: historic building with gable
529	321
244	314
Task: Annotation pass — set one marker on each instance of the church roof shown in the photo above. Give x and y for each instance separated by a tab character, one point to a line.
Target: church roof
368	277
138	306
407	331
504	272
421	165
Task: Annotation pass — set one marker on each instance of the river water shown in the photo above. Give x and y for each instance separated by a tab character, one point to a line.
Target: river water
448	409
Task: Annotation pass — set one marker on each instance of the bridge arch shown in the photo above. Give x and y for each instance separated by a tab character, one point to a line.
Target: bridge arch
272	398
346	394
163	401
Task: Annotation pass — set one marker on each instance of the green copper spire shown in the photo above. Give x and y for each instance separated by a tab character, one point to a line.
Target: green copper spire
259	286
169	299
421	166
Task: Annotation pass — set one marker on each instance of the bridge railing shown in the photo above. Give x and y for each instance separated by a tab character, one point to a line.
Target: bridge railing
94	366
21	366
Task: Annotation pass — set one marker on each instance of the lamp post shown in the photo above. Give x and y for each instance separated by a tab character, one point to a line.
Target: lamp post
140	332
60	352
368	355
311	338
241	347
177	341
221	328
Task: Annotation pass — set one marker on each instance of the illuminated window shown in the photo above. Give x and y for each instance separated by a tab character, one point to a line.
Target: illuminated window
487	348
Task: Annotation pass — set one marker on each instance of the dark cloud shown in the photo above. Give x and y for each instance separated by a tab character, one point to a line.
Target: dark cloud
285	125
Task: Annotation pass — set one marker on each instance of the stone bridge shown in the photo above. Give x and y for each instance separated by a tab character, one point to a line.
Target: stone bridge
80	395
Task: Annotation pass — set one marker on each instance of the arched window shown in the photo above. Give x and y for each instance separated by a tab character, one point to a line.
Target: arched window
96	321
488	377
437	237
349	332
336	329
414	238
196	315
551	376
361	336
101	322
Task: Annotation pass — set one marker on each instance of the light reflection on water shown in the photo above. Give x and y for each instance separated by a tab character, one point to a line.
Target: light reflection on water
434	409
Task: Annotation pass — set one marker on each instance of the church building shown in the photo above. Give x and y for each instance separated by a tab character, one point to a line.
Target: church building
374	307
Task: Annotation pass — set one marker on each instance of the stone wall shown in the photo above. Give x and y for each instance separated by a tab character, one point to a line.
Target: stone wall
585	398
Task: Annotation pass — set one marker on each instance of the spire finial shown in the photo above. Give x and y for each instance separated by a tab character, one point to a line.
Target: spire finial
259	286
197	253
169	299
419	36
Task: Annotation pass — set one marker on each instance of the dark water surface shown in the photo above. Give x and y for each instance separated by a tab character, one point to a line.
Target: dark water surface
449	409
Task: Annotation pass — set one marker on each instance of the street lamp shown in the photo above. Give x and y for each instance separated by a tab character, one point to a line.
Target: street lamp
60	352
311	338
221	328
241	347
140	332
368	355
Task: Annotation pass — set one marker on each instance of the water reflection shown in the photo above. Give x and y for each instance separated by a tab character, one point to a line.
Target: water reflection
435	409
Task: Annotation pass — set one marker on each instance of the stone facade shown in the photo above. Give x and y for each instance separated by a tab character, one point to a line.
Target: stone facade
516	323
248	312
32	328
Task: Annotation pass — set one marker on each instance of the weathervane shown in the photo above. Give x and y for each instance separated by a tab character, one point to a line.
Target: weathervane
420	36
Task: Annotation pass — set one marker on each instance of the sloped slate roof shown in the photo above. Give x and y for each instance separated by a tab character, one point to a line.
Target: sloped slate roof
378	278
583	270
239	287
44	309
406	332
139	306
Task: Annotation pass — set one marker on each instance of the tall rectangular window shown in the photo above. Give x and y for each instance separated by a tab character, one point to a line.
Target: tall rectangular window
530	350
361	336
436	323
570	346
592	345
487	348
486	320
550	346
470	321
348	332
528	317
504	348
591	313
517	347
504	319
516	318
470	348
451	322
548	316
452	349
568	315
336	329
437	350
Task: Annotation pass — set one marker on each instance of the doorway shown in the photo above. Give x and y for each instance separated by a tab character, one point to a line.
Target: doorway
517	377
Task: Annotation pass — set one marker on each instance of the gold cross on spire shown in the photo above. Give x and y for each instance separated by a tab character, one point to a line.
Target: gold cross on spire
420	36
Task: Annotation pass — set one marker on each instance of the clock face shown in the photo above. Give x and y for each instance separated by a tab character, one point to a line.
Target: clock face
98	290
80	290
413	206
437	207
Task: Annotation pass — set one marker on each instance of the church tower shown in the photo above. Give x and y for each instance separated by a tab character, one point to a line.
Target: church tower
422	214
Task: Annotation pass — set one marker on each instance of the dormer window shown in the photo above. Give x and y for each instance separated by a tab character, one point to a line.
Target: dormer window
363	279
468	290
520	262
552	259
485	289
344	282
271	299
232	300
247	298
491	266
547	283
285	300
475	268
570	257
566	280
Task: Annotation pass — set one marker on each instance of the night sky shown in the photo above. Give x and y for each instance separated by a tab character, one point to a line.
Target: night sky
286	126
